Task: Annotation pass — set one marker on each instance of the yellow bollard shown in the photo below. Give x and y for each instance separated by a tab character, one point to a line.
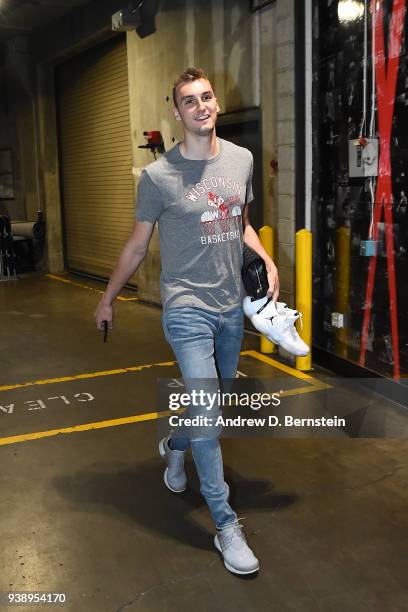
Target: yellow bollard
304	292
342	285
266	239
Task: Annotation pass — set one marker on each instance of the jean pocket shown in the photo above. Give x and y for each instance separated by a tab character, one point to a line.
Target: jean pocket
175	323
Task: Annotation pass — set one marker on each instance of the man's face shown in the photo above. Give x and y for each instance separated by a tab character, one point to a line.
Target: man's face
197	107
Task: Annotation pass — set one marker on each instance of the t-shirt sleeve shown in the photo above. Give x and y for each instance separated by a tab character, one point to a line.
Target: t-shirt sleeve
149	203
249	194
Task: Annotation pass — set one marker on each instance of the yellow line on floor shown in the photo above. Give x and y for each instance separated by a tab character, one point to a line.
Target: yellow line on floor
128	299
49	381
315	384
268	360
277	364
71	282
85	427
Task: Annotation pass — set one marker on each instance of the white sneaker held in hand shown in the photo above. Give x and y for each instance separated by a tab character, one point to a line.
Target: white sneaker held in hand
277	323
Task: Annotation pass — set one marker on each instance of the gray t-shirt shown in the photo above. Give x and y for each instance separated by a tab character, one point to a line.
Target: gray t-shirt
198	206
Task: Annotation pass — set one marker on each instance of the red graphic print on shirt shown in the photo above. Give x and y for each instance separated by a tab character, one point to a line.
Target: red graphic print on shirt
221	221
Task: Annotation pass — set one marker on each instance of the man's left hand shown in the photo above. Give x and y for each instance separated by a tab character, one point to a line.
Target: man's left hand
273	280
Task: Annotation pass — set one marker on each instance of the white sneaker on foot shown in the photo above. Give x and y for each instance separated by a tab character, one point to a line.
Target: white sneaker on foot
175	477
238	557
277	323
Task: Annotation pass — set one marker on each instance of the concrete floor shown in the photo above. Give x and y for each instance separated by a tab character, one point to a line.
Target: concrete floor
87	514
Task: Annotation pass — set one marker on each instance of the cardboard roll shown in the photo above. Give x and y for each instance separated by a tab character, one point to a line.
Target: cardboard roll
28	229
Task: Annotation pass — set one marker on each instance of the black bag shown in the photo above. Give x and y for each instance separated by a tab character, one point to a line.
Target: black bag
254	275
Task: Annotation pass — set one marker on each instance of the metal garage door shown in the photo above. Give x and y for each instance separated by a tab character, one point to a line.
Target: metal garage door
96	157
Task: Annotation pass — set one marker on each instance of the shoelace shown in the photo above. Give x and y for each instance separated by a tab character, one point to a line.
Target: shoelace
237	530
286	311
298	318
290	315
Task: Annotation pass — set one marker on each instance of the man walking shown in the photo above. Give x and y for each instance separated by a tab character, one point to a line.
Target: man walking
199	193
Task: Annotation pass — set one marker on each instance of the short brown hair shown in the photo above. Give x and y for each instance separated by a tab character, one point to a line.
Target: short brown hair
190	74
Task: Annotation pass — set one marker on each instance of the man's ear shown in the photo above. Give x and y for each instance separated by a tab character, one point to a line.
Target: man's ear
176	113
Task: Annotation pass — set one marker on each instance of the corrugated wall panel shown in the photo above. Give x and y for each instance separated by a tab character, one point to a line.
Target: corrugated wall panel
96	155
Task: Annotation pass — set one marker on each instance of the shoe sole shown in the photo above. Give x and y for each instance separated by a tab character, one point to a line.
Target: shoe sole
163	454
229	567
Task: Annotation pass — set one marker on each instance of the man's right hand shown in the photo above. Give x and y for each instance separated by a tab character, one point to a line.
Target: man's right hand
104	312
129	260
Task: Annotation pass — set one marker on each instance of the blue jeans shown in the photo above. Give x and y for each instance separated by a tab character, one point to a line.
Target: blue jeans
207	346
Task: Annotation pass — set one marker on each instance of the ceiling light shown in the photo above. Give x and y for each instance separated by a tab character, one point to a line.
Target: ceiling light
350	10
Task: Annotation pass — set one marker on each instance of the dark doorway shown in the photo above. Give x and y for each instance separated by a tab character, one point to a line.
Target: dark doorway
243	128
